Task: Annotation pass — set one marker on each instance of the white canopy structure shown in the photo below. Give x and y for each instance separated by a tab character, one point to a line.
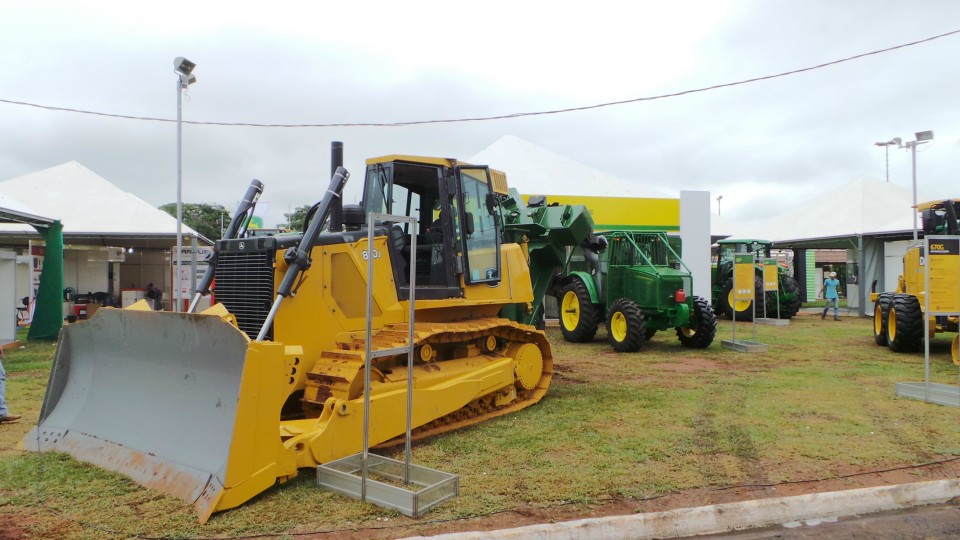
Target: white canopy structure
862	207
865	217
535	170
89	207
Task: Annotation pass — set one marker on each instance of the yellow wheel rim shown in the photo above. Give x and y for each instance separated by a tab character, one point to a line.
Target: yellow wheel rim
687	331
618	326
570	310
738	305
955	350
877	320
892	324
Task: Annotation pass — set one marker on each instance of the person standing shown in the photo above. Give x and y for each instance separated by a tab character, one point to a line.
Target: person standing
155	295
5	415
829	291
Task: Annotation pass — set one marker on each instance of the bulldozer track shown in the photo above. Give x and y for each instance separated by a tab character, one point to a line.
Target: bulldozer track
442	336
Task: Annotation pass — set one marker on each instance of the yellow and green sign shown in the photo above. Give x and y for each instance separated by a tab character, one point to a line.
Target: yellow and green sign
743	276
944	275
770	279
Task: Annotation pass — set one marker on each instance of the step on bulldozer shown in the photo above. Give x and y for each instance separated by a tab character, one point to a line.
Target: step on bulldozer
787	295
638	285
898	315
218	406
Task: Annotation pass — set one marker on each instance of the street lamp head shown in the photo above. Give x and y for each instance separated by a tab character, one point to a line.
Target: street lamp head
924	136
182	66
898	141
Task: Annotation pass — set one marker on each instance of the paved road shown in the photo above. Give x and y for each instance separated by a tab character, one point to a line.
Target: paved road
935	522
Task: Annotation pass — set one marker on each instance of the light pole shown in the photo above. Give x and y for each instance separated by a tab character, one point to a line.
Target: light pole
923	137
886	149
718	203
183	68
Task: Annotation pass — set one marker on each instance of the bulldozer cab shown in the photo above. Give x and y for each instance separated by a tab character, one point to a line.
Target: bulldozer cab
458	236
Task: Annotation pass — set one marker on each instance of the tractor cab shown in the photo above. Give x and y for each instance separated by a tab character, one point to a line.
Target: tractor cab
727	248
457	211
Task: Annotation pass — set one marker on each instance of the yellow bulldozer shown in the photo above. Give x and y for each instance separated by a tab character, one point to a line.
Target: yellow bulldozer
898	315
218	406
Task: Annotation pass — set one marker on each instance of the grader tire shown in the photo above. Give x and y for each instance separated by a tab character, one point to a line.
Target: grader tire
904	324
880	312
579	316
626	326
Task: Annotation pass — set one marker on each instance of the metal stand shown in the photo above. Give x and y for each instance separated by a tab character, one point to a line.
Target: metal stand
421	488
741	345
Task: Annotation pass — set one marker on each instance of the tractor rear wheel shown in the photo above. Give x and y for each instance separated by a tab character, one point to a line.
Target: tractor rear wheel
579	316
880	311
702	328
788	308
649	333
626	326
904	324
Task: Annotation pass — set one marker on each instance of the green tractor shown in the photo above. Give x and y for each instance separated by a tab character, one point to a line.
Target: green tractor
637	283
787	297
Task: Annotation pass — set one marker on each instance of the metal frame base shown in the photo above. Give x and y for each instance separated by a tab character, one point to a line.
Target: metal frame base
773	322
744	346
427	487
941	394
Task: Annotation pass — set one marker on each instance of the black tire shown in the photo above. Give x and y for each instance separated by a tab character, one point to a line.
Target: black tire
579	316
788	308
746	315
904	324
703	326
881	310
625	326
649	333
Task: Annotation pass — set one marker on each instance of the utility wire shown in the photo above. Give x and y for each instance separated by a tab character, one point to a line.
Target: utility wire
496	117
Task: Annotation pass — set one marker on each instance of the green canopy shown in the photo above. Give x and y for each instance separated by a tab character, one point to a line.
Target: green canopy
48	310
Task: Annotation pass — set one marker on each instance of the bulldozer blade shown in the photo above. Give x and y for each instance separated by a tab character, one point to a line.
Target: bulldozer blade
151	395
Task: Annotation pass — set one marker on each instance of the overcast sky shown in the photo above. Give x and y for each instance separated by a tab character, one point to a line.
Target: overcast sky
765	147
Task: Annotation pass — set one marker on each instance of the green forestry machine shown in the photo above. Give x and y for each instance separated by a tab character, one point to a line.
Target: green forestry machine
898	315
636	283
787	297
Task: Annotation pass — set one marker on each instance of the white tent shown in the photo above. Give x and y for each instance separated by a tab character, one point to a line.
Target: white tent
534	170
862	207
862	217
88	206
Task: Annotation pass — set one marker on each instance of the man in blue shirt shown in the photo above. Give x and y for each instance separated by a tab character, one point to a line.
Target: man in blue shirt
829	293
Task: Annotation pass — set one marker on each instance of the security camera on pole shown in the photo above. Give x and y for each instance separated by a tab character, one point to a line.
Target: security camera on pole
184	69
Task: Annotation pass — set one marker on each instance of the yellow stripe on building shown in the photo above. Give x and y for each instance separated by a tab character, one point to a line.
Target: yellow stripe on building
626	213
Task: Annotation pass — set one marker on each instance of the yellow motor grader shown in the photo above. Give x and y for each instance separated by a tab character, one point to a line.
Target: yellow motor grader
898	315
218	406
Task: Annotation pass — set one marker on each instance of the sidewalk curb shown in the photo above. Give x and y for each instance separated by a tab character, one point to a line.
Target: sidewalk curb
719	518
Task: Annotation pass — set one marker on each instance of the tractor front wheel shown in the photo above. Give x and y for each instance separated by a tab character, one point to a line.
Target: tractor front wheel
880	312
702	328
625	326
579	316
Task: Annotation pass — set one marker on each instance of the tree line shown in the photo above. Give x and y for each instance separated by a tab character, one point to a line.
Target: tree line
211	220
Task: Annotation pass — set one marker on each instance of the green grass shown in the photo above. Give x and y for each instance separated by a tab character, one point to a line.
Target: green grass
820	403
